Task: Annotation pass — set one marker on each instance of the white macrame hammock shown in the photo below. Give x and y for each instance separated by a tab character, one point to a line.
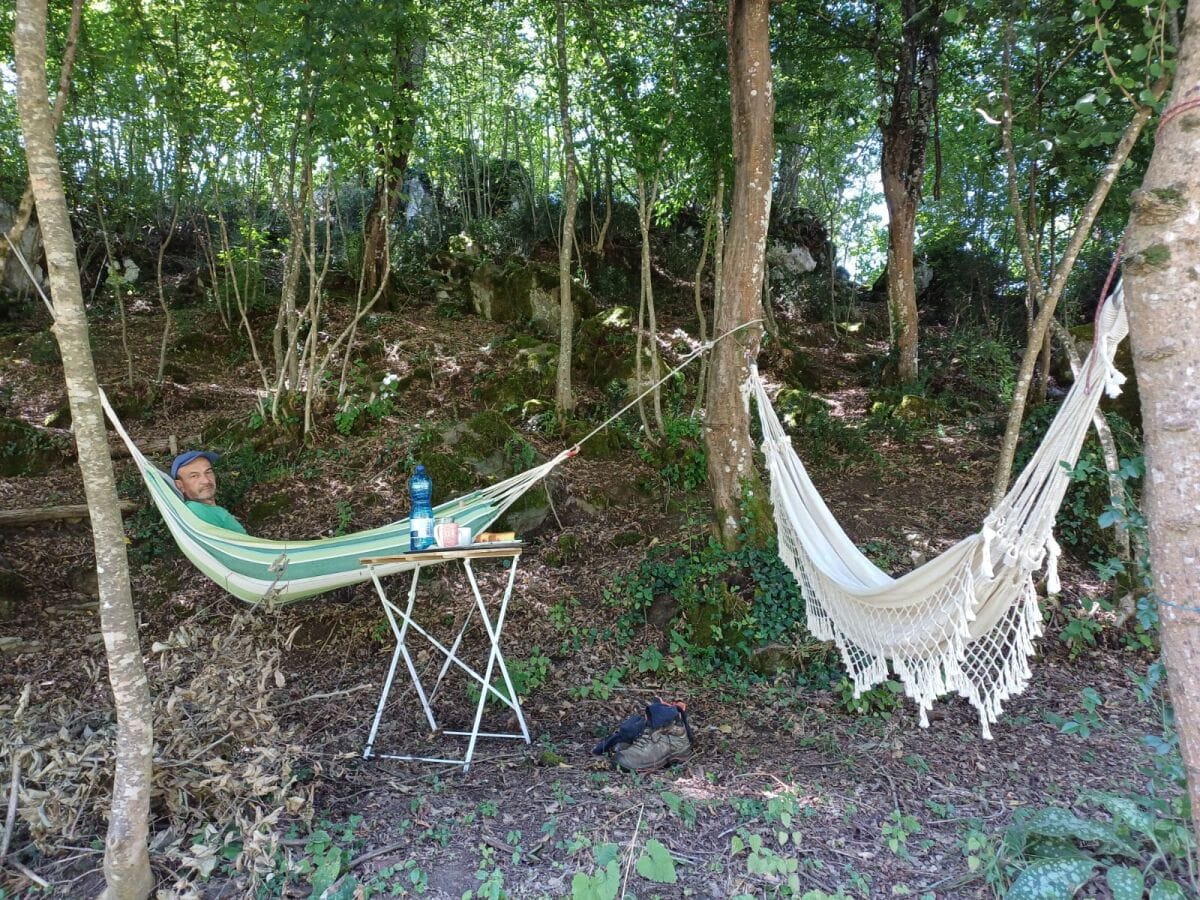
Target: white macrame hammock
964	621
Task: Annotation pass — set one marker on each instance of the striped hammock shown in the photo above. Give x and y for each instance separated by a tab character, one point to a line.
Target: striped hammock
262	571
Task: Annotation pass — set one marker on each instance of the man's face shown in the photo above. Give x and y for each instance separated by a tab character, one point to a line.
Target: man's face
198	481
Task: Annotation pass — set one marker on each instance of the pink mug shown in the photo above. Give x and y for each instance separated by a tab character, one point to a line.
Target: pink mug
445	533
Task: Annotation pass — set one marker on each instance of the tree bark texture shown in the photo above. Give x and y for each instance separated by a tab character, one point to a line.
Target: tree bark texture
564	397
1162	289
905	130
727	416
126	858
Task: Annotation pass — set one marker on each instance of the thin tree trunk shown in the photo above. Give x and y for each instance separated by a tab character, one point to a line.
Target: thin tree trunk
126	858
608	203
408	64
25	206
1162	258
1108	444
110	268
718	280
731	471
564	397
905	131
162	297
711	224
1048	300
647	321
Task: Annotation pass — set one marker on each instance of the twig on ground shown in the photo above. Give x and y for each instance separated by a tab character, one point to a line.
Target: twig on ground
195	756
632	846
325	695
30	874
381	851
11	818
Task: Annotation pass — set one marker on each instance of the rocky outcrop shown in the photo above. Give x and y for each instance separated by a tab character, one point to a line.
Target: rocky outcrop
522	291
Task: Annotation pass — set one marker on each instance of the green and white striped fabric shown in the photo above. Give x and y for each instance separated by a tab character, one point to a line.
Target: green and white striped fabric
259	570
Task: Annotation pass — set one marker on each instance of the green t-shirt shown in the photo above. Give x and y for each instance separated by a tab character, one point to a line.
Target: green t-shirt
216	515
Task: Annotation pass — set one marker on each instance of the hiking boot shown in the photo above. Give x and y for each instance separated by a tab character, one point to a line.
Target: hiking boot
655	749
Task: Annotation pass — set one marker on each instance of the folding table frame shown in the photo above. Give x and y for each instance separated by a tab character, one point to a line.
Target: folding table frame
401	621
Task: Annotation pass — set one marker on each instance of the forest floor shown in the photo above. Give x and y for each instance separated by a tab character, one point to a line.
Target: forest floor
262	715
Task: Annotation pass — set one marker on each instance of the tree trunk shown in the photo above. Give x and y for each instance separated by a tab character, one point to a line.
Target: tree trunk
711	224
25	207
608	203
564	398
905	130
1048	300
727	418
647	323
1162	258
126	858
409	63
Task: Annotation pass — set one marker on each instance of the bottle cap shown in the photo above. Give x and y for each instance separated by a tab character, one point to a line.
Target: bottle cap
420	469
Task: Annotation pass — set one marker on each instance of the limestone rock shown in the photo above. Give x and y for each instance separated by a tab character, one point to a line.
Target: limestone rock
522	291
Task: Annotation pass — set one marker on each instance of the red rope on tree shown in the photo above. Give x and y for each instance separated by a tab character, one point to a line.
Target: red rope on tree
1177	110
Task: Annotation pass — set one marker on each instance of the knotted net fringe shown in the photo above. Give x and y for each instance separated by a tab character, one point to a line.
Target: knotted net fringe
965	621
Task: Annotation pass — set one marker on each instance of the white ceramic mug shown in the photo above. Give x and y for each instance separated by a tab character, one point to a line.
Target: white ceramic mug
445	533
464	536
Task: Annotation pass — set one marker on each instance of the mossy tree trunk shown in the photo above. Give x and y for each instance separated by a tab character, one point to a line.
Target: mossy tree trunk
731	467
1162	261
393	149
126	858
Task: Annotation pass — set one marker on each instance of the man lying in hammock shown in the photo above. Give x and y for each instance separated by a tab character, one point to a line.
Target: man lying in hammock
195	478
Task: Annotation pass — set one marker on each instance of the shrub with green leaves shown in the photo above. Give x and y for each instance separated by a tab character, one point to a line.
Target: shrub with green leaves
727	602
680	456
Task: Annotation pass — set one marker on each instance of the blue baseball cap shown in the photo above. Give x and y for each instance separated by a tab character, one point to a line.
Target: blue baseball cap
184	458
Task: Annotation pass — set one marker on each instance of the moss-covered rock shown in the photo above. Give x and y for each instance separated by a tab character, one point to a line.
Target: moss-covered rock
481	451
711	619
627	539
913	408
797	406
797	368
41	349
771	659
14	592
522	291
25	450
525	370
606	347
606	444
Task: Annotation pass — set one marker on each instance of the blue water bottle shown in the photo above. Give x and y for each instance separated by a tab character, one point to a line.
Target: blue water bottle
420	491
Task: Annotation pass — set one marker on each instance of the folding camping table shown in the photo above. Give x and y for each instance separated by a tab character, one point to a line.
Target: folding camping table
401	621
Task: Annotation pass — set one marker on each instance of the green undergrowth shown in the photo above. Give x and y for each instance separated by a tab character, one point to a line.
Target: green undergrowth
707	611
1131	841
820	437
